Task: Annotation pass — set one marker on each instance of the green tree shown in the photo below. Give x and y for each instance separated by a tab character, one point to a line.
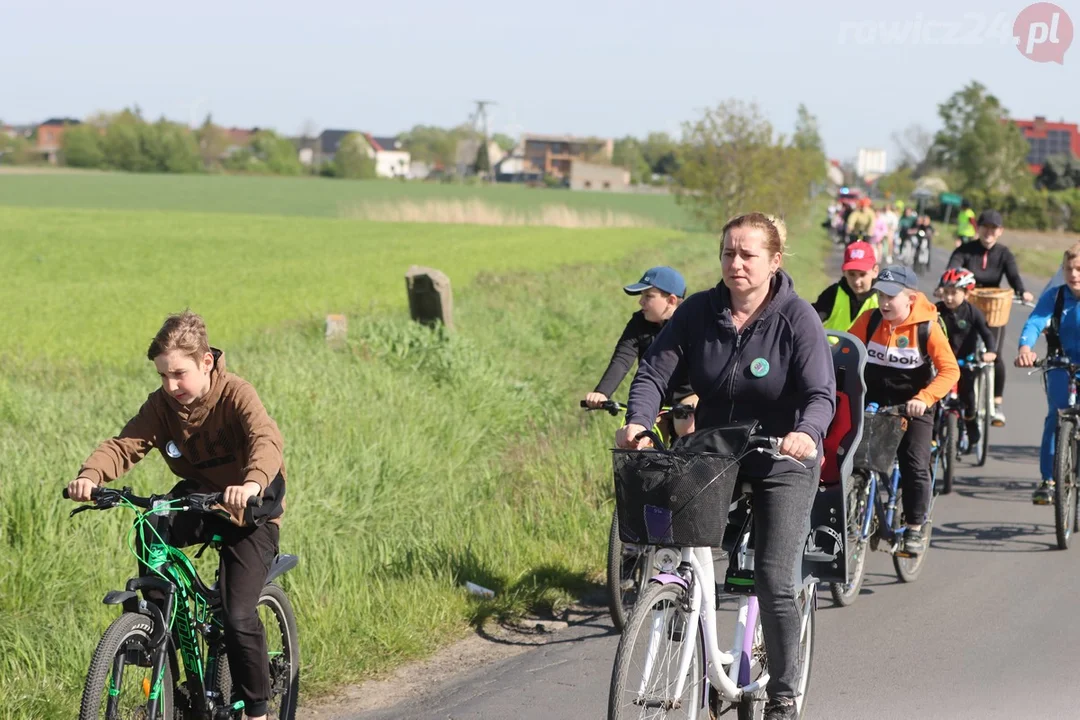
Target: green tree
807	141
81	147
627	153
212	141
980	144
1059	172
899	184
504	141
483	161
352	160
433	145
732	163
661	152
123	143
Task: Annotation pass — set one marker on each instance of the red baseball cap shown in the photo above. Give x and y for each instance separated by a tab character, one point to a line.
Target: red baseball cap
859	256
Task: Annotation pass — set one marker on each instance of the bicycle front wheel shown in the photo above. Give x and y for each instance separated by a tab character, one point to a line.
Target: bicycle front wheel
627	570
909	567
646	666
1065	481
119	684
984	401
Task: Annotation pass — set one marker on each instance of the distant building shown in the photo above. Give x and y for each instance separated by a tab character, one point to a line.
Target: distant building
236	139
391	158
870	161
1046	139
554	154
469	149
329	141
593	176
50	136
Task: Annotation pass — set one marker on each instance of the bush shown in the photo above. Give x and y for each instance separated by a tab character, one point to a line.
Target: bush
81	147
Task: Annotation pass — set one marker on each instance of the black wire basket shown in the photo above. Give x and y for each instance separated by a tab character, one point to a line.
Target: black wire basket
881	438
673	498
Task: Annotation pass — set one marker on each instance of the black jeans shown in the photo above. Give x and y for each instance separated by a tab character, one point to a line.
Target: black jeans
914	458
999	363
246	555
782	504
966	390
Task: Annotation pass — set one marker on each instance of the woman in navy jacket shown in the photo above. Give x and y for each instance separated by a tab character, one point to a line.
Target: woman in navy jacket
754	350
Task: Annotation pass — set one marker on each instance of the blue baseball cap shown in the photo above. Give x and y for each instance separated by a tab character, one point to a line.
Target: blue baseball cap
894	278
662	278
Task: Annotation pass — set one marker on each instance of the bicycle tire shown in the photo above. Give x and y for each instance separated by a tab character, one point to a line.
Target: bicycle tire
1065	481
616	608
948	450
859	503
622	695
753	708
984	390
908	568
129	632
284	668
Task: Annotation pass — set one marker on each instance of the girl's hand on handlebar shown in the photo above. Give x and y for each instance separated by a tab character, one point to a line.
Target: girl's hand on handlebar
1026	358
79	489
235	497
989	357
916	408
798	445
1028	297
595	399
627	438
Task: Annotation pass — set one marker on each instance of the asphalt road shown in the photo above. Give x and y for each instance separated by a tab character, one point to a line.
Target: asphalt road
987	631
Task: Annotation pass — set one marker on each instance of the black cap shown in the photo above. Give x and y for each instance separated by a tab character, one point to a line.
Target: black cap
894	278
991	217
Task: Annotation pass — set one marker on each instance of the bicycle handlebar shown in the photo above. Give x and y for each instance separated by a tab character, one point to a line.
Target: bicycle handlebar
105	498
609	406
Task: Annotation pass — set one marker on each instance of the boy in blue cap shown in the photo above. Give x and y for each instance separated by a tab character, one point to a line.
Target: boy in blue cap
659	291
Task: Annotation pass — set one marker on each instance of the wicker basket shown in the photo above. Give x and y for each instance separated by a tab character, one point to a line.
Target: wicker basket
995	304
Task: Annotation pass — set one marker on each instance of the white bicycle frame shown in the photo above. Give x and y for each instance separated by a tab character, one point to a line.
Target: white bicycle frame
702	584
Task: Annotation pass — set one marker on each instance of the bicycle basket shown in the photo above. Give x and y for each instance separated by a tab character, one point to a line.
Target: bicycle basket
673	498
880	440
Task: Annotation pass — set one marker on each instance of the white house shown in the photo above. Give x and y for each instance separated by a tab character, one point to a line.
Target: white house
391	158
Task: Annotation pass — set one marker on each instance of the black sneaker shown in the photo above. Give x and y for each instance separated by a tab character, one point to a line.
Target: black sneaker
974	435
914	542
1044	494
781	709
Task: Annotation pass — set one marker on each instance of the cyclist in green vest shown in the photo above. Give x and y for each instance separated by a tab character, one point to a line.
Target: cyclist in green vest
965	224
839	304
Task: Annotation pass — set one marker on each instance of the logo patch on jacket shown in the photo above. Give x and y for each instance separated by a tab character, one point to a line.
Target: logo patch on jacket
897	357
171	450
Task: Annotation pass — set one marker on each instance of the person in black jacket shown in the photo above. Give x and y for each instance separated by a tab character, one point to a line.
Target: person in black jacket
965	325
754	350
990	262
660	290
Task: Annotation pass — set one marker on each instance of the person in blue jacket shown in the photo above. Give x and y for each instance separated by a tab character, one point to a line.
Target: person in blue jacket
1068	340
754	350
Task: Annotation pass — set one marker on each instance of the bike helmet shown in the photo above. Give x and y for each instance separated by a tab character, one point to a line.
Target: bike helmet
957	278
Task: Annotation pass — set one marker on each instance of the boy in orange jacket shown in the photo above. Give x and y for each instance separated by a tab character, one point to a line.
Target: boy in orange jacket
905	345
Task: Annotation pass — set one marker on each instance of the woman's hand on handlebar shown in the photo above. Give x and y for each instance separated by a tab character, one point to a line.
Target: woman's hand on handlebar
1026	357
627	438
915	408
798	445
1028	297
989	357
79	489
595	399
235	498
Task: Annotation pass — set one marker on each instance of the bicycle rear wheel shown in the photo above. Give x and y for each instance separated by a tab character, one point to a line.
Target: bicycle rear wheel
647	661
753	707
119	682
859	504
627	571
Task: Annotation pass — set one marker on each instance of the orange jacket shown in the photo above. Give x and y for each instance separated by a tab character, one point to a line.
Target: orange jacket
895	370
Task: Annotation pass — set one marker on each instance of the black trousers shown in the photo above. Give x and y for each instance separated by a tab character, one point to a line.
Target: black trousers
246	555
999	363
913	456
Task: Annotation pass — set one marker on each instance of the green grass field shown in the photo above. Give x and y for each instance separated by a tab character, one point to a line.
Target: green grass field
318	197
417	459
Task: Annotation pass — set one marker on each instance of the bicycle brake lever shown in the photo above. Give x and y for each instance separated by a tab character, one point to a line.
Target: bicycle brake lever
80	509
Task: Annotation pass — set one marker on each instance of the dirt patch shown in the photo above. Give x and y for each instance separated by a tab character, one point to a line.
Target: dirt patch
413	681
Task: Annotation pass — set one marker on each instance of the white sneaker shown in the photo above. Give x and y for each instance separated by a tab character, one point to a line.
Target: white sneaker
998	418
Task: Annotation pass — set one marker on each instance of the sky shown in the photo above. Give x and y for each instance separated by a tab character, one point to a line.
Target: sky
585	67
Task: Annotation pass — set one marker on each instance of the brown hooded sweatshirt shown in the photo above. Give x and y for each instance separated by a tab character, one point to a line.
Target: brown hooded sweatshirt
224	438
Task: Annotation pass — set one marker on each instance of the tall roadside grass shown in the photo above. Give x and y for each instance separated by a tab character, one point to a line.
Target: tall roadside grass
313	197
480	212
417	460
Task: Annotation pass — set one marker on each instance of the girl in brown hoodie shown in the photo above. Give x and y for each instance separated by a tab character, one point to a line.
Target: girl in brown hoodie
213	432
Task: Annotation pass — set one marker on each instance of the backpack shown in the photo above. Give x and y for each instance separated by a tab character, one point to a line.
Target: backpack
1053	330
922	332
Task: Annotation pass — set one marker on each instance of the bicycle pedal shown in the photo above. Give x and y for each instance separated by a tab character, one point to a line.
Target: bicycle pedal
903	553
739	582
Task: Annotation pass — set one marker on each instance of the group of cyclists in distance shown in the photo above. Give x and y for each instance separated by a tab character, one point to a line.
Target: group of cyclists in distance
751	347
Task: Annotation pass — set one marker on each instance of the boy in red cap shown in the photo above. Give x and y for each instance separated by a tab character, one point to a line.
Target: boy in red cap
840	303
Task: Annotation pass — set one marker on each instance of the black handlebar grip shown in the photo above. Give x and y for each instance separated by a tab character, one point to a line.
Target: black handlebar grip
584	404
254	501
66	496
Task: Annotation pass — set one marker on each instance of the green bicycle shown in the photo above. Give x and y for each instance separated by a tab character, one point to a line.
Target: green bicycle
134	672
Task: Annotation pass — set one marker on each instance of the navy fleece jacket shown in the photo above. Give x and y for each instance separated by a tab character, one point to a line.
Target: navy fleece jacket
778	370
